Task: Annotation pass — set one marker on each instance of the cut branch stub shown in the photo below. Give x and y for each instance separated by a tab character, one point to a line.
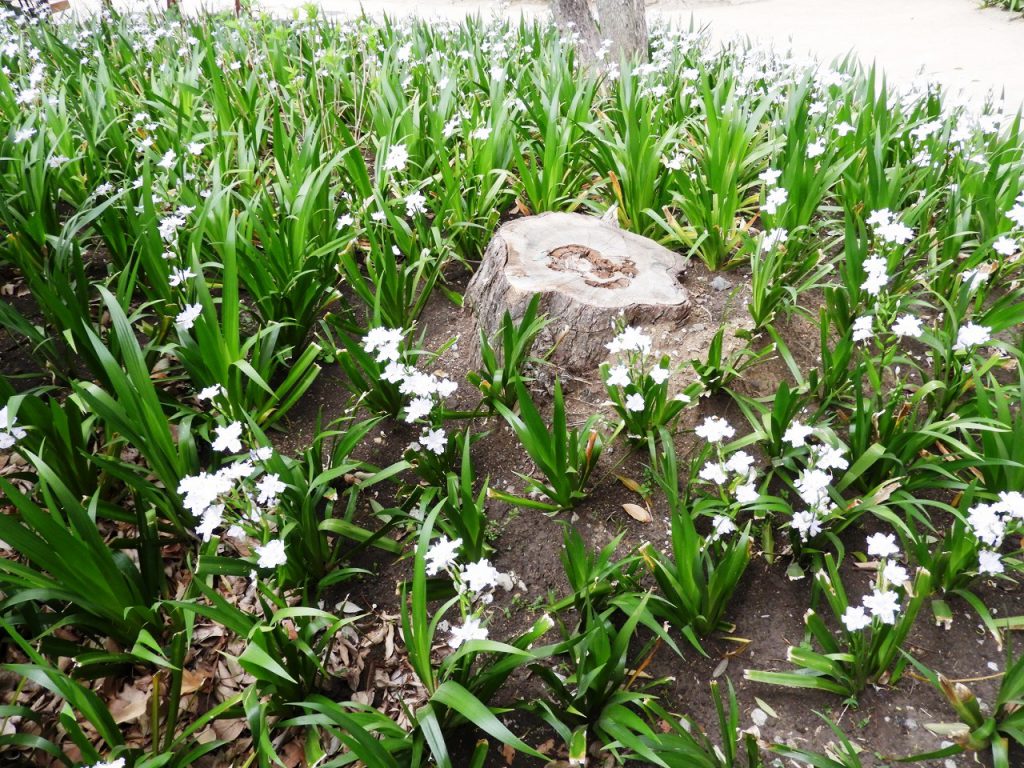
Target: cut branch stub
588	272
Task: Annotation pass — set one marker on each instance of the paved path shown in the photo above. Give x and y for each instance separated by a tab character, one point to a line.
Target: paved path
970	50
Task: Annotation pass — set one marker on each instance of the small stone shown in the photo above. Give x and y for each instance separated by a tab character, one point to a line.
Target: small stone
721	284
910	724
759	716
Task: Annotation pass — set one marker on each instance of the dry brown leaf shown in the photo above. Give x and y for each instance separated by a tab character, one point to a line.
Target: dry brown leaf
509	753
228	730
129	704
638	513
292	754
193	681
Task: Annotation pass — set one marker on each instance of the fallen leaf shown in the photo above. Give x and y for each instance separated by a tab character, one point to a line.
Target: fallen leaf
638	513
129	705
192	681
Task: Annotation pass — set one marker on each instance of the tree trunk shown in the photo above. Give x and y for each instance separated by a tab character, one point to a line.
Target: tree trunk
623	22
589	274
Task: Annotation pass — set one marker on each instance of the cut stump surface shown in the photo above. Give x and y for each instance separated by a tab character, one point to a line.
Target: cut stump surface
588	272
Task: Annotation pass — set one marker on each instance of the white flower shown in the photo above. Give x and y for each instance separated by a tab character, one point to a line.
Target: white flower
212	518
415	203
827	457
635	402
24	135
713	472
880	218
747	493
228	438
986	524
119	763
269	487
816	149
773	238
812	485
187	317
862	328
895	574
882	545
394	372
774	199
272	554
1015	214
907	325
195	148
631	339
397	158
659	375
179	276
210	392
1005	246
200	491
263	453
434	440
418	408
168	160
721	526
971	335
618	376
714	429
884	605
441	555
855	619
344	221
844	128
1011	503
483	133
896	232
470	630
989	562
806	523
9	432
480	576
740	463
385	342
770	176
797	433
877	274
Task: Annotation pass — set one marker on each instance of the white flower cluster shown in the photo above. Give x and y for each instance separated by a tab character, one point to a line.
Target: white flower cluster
424	388
10	432
887	226
737	473
119	763
990	523
814	480
884	602
475	581
630	340
635	345
209	495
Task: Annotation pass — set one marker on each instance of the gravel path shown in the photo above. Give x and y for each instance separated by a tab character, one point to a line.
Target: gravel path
970	50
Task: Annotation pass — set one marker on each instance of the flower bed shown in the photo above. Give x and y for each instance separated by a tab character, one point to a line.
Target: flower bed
270	498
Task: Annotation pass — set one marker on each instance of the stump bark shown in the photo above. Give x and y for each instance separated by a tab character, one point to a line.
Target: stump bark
588	272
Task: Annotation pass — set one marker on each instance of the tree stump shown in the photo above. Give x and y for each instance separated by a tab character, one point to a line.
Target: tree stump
588	273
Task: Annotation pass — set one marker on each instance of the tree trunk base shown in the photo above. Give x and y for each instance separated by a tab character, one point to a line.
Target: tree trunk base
589	274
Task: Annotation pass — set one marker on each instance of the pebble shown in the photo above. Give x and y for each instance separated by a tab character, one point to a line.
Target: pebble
759	716
910	723
721	284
